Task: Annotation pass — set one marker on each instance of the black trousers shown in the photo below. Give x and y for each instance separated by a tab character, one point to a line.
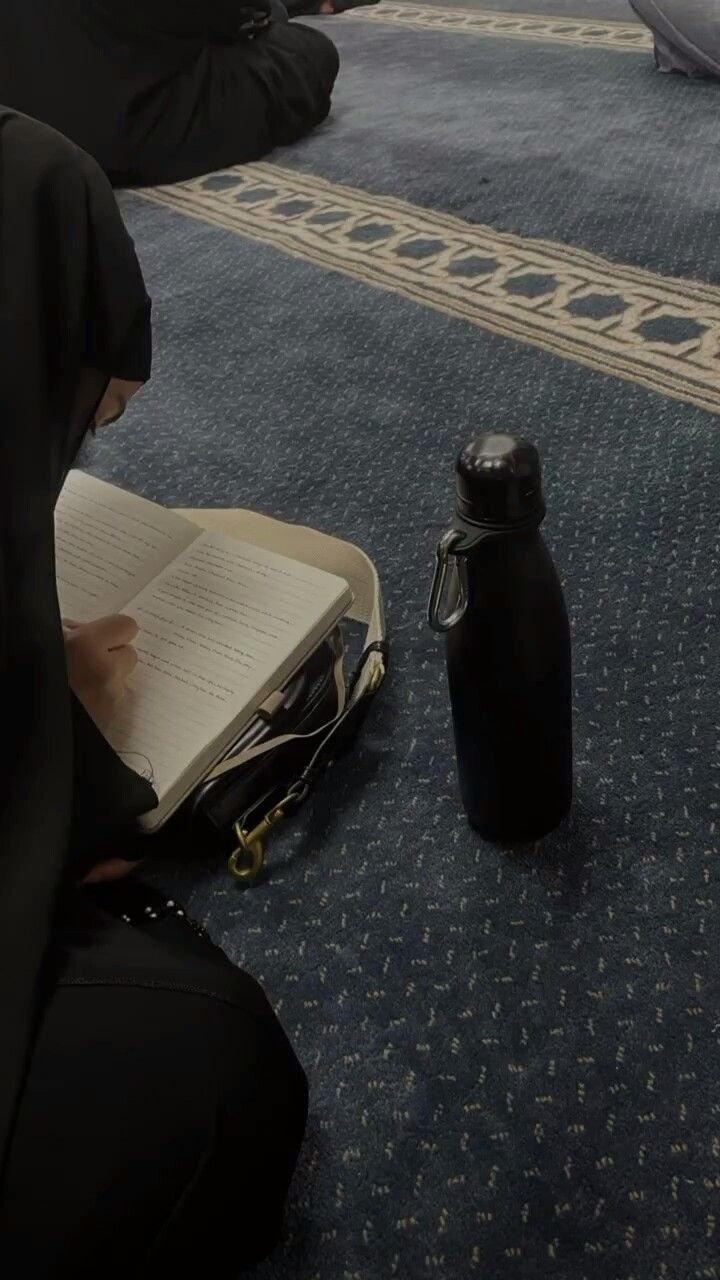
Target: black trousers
162	1116
153	103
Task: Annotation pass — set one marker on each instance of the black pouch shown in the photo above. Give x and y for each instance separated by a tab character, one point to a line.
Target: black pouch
306	704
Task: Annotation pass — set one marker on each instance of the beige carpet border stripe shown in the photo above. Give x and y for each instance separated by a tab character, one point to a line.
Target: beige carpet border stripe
535	291
626	37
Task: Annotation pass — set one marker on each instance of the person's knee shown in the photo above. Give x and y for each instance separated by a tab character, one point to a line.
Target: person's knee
332	61
325	57
293	1084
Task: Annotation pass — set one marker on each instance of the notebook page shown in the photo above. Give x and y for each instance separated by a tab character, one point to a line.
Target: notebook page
220	628
109	544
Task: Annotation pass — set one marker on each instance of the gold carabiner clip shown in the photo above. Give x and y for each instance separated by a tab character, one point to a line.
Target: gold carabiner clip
248	860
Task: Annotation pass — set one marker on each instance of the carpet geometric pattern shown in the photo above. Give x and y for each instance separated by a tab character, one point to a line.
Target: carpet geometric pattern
513	1058
661	332
624	36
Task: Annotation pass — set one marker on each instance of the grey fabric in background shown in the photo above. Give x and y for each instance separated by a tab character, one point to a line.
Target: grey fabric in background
687	34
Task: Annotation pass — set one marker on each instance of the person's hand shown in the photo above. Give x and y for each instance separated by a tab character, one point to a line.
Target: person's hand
100	658
111	869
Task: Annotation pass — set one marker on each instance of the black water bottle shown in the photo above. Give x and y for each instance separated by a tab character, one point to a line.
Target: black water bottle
497	597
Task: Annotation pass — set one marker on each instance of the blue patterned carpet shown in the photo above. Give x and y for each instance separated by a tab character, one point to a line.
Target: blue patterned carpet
513	1059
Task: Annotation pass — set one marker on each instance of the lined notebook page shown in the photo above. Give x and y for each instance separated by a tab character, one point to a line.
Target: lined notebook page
109	544
220	628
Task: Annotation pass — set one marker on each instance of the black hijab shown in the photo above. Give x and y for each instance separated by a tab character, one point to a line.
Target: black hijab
73	313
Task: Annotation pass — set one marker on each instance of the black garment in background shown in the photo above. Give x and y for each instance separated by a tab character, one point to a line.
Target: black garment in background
134	1056
164	90
308	8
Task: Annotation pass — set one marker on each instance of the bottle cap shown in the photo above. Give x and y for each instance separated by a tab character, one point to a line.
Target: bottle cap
499	482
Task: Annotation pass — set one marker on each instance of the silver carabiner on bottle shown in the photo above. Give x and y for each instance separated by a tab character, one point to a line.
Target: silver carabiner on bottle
446	553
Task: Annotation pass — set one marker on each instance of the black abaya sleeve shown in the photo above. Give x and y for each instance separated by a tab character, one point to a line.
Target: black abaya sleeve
107	795
73	313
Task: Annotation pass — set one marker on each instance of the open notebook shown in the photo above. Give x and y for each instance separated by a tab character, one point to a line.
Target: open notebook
222	623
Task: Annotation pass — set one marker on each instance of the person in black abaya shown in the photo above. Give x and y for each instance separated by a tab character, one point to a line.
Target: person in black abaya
161	91
151	1107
